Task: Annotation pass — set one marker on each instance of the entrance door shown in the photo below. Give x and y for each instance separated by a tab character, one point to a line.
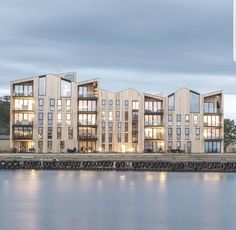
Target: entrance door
189	147
23	146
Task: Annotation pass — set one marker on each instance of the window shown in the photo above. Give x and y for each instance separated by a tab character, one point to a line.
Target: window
178	119
119	127
68	118
135	105
212	121
110	137
170	144
170	119
50	118
195	120
70	133
187	118
42	86
83	91
169	133
117	103
212	146
103	137
194	102
186	133
49	146
178	144
68	104
52	104
40	146
65	88
59	131
110	126
126	126
117	115
209	107
119	137
110	147
171	102
40	132
87	119
59	118
103	115
40	104
103	102
49	132
103	124
126	104
126	115
126	137
110	103
40	118
59	104
197	132
110	116
178	132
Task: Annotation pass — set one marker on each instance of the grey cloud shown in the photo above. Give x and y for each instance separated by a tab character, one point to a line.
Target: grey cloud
166	42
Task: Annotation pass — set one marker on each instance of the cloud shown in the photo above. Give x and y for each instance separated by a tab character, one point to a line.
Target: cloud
145	44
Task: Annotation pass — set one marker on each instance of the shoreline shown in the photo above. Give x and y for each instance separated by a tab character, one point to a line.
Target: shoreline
120	162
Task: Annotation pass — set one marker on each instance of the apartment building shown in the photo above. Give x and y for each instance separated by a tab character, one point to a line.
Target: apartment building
54	113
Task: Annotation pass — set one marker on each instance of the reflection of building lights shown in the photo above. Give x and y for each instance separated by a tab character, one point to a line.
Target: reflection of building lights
162	177
122	178
213	177
131	149
149	177
99	149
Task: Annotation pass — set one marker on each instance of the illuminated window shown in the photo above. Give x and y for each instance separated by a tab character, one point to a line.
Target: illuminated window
42	86
65	88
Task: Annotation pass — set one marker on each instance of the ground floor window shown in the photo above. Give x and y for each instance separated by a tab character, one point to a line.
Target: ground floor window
212	146
87	146
153	146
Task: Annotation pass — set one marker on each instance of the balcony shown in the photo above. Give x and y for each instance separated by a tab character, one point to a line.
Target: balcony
214	111
23	123
220	125
94	111
86	136
152	138
154	112
20	137
151	124
23	108
213	138
88	96
87	124
22	94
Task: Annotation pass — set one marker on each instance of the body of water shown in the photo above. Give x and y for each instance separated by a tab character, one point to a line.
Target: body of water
41	200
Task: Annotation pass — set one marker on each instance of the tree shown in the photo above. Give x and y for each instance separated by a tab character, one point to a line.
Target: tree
4	115
229	133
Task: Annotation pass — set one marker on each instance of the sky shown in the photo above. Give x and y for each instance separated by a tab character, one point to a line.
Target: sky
149	45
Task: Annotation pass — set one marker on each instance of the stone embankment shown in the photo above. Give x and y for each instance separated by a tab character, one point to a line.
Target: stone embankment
121	162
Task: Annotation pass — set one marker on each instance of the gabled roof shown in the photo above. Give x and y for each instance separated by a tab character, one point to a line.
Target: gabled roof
183	88
88	81
154	96
213	93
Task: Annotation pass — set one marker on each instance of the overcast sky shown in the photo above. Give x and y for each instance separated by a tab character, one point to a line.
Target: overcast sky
150	45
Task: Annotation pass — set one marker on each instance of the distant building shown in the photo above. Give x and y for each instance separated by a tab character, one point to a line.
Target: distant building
4	143
54	113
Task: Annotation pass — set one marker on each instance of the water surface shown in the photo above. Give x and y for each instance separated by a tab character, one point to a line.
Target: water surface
41	200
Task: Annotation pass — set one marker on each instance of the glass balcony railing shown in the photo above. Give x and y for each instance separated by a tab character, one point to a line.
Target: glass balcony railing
22	94
154	111
207	124
23	122
86	136
214	111
213	137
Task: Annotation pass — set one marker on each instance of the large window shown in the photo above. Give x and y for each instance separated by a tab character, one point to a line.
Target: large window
212	146
194	102
171	102
153	133
87	119
23	89
65	88
135	105
89	105
212	121
23	104
152	120
42	86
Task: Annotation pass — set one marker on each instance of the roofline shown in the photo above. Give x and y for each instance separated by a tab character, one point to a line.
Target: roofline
88	81
154	96
213	93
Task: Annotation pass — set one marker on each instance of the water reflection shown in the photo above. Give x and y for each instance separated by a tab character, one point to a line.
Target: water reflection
116	200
